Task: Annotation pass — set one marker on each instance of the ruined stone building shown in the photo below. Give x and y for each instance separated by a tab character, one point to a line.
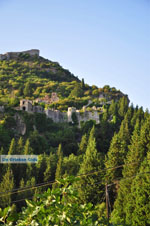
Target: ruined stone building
58	116
14	55
47	99
27	105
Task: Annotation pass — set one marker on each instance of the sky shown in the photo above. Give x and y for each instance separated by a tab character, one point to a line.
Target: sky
106	42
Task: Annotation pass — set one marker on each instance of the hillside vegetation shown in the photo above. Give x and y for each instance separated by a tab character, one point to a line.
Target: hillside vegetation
112	154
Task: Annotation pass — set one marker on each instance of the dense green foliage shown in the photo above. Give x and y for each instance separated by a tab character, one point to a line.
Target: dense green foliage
115	152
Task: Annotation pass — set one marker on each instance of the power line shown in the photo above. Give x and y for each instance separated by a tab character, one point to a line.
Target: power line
127	178
18	190
88	185
32	196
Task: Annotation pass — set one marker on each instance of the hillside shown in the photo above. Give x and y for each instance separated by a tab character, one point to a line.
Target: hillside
96	135
31	76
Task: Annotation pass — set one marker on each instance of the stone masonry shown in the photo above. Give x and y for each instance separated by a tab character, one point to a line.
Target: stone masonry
58	116
13	55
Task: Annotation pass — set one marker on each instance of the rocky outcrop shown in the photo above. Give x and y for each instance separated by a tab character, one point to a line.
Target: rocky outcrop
20	125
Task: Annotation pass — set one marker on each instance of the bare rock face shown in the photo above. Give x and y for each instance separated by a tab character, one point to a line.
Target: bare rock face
20	125
2	109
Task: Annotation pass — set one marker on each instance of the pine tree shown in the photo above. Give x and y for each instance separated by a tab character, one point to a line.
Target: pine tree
58	173
47	173
92	161
40	168
27	148
19	149
83	145
130	169
137	151
6	185
82	84
51	164
118	151
12	148
123	106
138	209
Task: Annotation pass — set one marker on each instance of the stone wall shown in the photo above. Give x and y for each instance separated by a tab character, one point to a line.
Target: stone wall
58	116
2	108
55	115
13	55
84	116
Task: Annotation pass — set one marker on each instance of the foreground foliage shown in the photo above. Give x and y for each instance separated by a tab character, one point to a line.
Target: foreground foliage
60	206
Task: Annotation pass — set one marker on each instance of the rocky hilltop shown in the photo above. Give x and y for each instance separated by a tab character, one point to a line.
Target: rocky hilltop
14	55
34	84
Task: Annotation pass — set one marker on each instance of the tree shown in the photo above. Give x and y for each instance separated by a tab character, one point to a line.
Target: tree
82	84
92	161
74	118
19	149
138	209
27	90
12	148
58	173
27	148
6	185
71	165
51	164
77	91
61	206
83	145
123	106
125	202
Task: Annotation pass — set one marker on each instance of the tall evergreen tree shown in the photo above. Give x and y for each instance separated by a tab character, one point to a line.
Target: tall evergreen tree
137	151
83	145
138	209
27	148
58	173
12	148
51	164
92	161
6	185
123	106
19	148
27	89
40	168
47	173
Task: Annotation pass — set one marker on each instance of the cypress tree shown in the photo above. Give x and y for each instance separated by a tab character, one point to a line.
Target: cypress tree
58	173
83	145
12	148
47	173
19	149
123	106
27	148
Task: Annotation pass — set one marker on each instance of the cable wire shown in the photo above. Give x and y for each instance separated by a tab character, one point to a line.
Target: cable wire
51	182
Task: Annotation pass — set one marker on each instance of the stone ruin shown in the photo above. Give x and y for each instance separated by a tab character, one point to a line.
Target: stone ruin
2	109
58	116
47	99
14	55
27	105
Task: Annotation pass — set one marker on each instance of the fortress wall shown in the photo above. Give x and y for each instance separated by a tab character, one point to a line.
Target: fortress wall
32	52
56	115
14	55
